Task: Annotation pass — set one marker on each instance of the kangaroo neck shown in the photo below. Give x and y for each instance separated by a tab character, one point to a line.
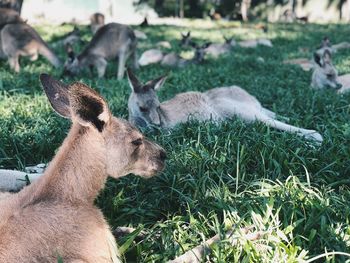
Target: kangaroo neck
78	171
163	117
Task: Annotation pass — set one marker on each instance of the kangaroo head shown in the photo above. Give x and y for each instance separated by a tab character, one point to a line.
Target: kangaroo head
325	71
230	41
143	102
72	65
199	52
185	39
97	20
124	148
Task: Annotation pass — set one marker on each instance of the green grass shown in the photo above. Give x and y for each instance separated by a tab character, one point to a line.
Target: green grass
217	177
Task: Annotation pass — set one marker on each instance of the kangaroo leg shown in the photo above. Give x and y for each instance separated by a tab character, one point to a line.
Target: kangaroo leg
34	57
101	65
308	134
14	63
269	113
121	64
273	115
135	60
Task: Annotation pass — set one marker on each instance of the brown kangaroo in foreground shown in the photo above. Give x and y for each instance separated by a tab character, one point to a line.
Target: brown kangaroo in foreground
20	39
111	41
216	104
55	217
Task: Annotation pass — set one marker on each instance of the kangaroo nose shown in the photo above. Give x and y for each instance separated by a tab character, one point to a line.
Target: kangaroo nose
162	155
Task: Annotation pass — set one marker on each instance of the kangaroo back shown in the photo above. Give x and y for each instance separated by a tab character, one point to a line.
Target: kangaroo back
9	16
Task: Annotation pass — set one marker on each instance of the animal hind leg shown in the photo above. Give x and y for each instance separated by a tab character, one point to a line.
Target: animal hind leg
135	62
101	65
121	64
14	63
269	113
308	134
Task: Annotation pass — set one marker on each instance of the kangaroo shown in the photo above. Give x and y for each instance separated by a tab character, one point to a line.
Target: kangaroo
70	38
97	20
217	49
326	44
324	74
21	39
186	39
174	60
55	217
109	42
216	104
9	16
153	56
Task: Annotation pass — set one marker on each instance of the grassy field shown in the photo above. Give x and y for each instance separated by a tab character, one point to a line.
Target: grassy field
217	177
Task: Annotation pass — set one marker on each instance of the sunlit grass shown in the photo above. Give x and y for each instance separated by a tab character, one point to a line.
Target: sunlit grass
217	177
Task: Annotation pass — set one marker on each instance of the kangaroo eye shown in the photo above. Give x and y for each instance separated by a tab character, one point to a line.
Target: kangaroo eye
137	142
143	109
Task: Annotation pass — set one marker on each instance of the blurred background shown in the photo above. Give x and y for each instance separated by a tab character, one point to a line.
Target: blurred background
134	11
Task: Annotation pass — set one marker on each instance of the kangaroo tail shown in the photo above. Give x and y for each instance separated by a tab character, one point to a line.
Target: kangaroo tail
48	53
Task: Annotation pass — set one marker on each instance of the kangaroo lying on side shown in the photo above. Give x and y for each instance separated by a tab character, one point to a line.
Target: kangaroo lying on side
324	74
174	60
216	104
21	39
186	40
111	41
70	38
153	56
55	217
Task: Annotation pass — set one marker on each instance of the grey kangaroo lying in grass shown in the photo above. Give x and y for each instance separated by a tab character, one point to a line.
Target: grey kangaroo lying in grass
20	39
55	217
110	42
216	104
325	75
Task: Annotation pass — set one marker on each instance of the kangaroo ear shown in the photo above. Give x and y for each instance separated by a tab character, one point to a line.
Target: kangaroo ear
88	107
155	84
134	83
188	33
317	59
57	93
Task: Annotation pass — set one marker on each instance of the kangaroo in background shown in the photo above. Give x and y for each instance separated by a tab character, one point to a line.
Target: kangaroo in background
9	16
216	104
70	38
217	49
55	217
20	39
110	42
324	74
326	44
186	40
174	60
97	20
